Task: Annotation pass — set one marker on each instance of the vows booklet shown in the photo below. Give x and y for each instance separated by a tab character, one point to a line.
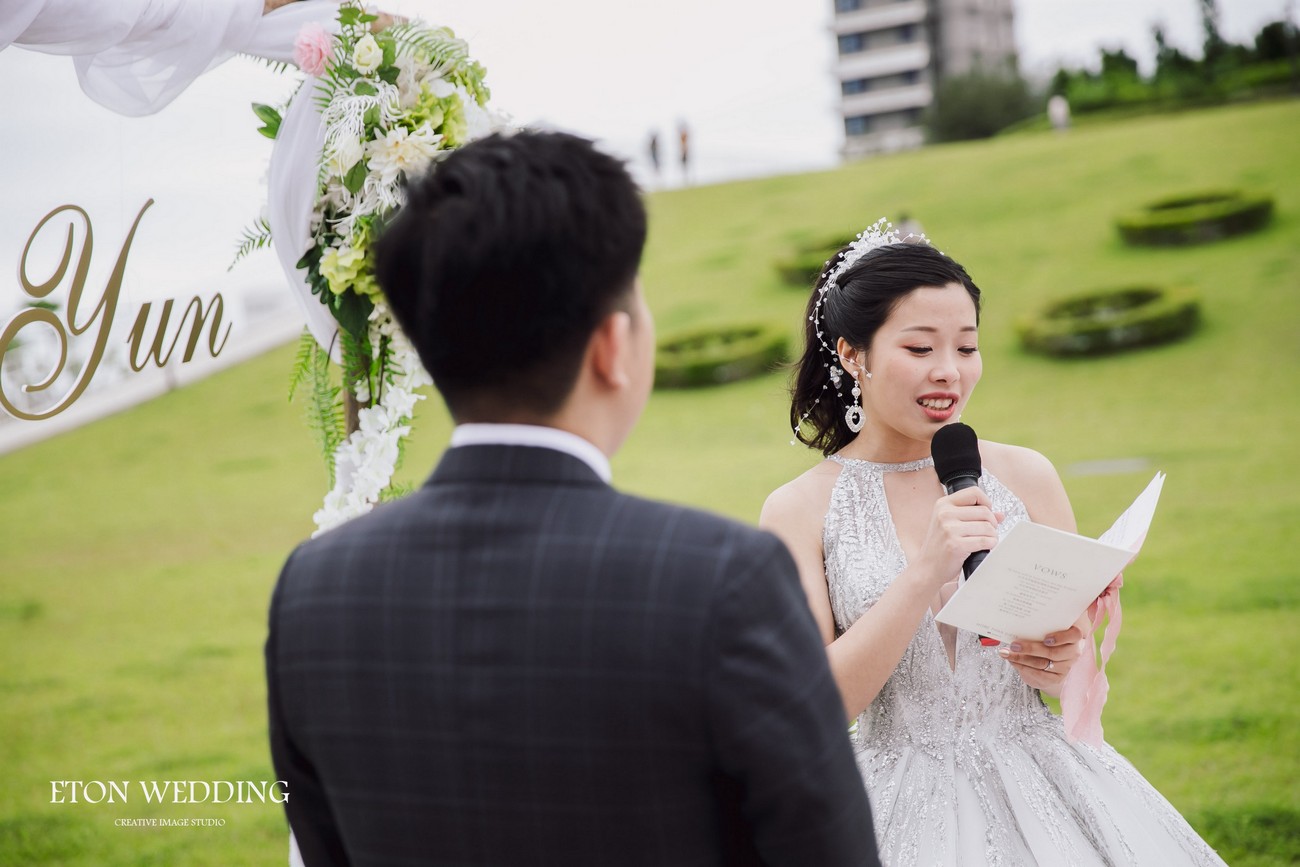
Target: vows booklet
1038	580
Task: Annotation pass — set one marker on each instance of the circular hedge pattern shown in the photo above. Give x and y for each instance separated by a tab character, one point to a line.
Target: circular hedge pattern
1111	321
1195	218
716	355
806	264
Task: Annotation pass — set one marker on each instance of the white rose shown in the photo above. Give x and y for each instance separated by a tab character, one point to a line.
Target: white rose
478	123
367	56
440	87
408	86
346	153
336	195
401	151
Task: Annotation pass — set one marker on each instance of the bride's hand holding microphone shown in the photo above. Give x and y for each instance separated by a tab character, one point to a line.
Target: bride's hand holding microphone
961	524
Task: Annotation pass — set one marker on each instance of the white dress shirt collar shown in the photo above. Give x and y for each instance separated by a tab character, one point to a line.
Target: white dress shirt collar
533	435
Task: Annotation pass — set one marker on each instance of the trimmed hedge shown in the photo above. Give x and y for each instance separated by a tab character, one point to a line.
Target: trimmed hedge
712	356
1111	321
1195	218
805	265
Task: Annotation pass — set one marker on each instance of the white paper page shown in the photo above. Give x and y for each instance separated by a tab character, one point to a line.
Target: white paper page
1130	529
1035	581
1039	579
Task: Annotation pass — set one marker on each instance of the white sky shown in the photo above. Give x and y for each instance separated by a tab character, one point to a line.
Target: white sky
751	78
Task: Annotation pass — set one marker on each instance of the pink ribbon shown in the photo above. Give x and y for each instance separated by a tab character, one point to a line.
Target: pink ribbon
1083	693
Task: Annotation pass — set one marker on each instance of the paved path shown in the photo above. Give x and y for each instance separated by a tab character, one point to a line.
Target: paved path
265	334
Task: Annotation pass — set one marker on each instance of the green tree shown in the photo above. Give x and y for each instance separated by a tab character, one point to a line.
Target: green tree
1274	42
1177	76
1215	47
1119	82
1170	62
1060	85
1118	64
978	105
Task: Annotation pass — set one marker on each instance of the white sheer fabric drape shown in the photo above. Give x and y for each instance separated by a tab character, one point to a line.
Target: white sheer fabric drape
291	194
135	56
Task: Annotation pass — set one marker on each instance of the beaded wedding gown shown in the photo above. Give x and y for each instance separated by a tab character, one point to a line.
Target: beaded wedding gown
968	766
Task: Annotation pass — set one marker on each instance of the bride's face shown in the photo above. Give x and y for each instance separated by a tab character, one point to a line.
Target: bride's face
924	363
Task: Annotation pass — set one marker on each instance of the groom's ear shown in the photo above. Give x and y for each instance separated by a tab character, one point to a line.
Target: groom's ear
609	352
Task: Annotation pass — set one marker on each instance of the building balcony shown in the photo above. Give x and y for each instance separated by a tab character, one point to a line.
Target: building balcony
886	141
880	17
881	102
883	61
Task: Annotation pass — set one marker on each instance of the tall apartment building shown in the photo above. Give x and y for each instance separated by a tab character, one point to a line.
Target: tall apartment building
893	53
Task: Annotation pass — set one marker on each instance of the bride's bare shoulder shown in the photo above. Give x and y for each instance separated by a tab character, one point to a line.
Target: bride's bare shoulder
1032	478
803	500
1009	462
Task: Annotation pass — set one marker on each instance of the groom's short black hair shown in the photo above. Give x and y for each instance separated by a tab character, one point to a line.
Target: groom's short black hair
505	257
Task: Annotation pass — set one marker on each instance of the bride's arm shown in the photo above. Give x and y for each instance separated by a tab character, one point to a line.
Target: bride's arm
864	657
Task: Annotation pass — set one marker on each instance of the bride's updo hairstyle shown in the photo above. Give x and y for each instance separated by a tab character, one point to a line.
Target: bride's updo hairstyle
853	302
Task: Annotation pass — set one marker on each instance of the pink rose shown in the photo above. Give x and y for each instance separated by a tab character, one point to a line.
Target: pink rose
313	49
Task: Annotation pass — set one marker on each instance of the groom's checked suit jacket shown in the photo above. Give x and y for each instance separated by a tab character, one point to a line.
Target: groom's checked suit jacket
519	665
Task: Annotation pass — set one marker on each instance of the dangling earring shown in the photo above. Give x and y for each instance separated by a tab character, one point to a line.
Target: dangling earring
853	416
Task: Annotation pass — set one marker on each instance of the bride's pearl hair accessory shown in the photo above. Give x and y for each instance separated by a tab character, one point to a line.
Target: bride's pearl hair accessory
879	234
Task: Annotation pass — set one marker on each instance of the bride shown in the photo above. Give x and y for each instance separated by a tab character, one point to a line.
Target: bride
962	760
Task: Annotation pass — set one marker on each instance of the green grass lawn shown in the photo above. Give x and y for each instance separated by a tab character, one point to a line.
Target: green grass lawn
139	552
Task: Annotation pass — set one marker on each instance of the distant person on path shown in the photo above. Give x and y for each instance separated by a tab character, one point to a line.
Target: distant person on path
517	664
684	150
963	761
1058	112
652	148
909	228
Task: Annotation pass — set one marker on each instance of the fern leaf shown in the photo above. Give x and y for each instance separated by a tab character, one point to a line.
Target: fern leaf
278	66
438	44
302	361
395	492
254	237
324	411
326	415
357	361
440	47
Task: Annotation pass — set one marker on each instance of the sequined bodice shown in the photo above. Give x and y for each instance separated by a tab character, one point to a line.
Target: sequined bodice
966	765
925	703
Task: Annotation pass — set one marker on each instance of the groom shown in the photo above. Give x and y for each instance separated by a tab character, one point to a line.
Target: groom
517	664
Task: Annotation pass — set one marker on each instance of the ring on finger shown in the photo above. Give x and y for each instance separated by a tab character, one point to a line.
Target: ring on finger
1051	664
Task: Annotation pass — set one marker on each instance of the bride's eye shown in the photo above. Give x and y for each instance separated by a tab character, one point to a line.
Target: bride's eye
968	350
918	350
